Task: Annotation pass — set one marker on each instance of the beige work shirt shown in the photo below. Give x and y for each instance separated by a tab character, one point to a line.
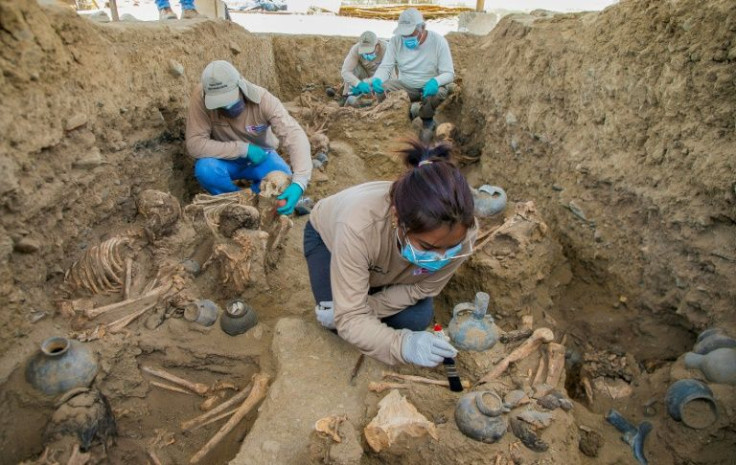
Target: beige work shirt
354	61
264	122
355	224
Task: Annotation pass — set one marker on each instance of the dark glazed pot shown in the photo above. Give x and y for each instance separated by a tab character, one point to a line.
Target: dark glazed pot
691	402
238	318
61	364
478	416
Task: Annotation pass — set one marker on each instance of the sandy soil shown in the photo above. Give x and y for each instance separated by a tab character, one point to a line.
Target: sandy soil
612	133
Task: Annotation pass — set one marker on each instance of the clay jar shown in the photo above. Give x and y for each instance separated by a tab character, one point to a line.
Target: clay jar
478	416
712	339
61	364
719	366
489	200
470	327
691	402
203	312
238	318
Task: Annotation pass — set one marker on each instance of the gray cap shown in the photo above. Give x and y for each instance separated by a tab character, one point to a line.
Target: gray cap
220	83
409	19
367	43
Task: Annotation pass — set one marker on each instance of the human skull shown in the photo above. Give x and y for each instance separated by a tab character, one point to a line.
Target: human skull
274	183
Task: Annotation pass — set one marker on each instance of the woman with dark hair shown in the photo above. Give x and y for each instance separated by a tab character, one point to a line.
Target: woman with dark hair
379	252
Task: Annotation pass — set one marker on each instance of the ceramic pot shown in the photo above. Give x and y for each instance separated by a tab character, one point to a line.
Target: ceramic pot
712	339
489	200
85	415
691	402
478	416
471	328
203	312
719	366
61	364
238	318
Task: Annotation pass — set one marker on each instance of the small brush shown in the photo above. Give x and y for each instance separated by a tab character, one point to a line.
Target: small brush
450	369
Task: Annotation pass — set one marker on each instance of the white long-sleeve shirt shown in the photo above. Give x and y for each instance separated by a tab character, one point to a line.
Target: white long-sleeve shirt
432	59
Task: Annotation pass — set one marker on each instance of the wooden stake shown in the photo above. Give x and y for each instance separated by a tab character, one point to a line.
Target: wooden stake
199	388
196	422
114	10
260	387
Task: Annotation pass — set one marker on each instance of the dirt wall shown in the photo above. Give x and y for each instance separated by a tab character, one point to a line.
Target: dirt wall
620	126
91	114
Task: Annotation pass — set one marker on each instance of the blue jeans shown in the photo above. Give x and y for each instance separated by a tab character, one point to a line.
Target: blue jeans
415	317
216	175
185	4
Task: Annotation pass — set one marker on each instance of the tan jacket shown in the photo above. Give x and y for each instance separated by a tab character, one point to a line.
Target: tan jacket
265	122
355	224
355	62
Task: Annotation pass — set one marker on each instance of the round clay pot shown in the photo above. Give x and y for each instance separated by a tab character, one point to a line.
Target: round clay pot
238	318
691	402
489	200
61	364
203	312
478	416
712	339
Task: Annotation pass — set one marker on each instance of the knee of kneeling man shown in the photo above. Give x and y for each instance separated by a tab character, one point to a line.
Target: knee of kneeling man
205	168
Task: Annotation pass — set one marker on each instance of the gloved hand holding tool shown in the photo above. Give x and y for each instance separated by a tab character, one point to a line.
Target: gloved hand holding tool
291	195
425	349
431	88
362	89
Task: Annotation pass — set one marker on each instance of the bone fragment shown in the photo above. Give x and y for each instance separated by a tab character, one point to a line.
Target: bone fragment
383	386
527	322
195	423
129	304
539	336
170	387
541	367
555	364
422	380
216	418
128	277
199	388
260	386
118	325
154	457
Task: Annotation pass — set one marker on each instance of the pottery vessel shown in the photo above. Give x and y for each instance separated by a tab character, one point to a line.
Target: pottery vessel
471	328
718	366
712	339
61	364
478	416
489	200
203	312
238	318
691	402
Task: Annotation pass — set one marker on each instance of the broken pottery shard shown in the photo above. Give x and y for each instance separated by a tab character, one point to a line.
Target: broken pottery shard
539	420
396	418
527	436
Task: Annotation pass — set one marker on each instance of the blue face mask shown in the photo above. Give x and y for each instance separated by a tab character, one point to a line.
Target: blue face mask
428	259
369	56
411	42
234	110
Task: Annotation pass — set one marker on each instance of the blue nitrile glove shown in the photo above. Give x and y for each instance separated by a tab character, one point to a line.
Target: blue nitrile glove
377	85
291	194
325	314
256	154
431	88
362	88
425	349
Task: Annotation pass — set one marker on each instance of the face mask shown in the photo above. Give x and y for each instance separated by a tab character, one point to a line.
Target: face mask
411	42
428	259
234	110
369	56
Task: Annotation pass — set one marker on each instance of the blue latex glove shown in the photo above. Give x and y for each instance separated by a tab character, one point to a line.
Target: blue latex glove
325	314
425	349
431	88
377	85
256	154
362	88
291	194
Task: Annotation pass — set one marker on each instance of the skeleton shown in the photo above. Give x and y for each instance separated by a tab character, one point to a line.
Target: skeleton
101	270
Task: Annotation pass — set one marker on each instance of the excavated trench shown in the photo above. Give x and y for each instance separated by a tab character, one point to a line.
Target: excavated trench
609	266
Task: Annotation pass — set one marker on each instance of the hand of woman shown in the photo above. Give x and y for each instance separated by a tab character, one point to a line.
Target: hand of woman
425	349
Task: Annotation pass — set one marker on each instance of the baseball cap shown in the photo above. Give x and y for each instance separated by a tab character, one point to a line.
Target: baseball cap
409	19
220	83
367	43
